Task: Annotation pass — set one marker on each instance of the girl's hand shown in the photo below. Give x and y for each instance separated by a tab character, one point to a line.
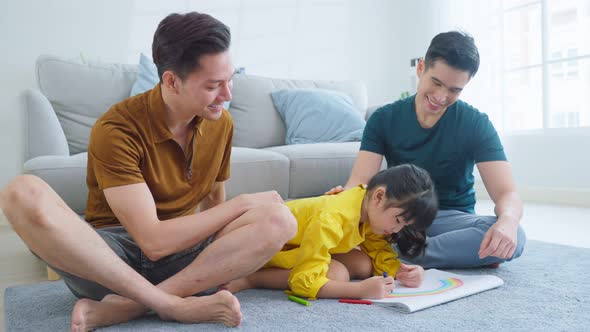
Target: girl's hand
376	287
410	275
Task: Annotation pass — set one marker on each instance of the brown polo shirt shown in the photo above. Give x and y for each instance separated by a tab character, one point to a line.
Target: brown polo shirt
131	144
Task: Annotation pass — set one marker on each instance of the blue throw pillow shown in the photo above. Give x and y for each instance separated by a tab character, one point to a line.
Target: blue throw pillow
147	77
316	115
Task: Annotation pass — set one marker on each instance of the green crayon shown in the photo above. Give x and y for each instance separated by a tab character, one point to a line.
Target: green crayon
298	300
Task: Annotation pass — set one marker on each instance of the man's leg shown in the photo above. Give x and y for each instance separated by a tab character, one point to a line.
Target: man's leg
240	249
55	233
454	240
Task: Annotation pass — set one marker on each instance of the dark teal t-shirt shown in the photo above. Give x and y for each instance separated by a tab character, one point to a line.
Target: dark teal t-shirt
462	137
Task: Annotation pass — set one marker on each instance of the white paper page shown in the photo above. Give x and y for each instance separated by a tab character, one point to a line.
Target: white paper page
438	287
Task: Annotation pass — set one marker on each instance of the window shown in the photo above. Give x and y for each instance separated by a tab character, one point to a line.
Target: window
546	56
535	67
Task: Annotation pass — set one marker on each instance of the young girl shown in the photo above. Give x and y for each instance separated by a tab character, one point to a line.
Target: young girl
396	206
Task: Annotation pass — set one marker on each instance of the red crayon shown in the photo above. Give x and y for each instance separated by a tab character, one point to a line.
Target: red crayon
355	301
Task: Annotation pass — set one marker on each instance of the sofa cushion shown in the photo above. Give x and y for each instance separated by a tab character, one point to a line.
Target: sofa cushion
65	174
318	115
81	92
315	168
255	170
257	124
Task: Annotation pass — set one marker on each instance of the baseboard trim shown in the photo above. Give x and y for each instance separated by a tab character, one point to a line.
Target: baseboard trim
545	195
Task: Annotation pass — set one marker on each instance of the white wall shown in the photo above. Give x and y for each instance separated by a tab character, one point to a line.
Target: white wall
306	39
29	28
551	166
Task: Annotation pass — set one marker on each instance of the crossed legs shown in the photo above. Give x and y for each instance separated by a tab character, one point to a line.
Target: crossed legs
454	240
55	233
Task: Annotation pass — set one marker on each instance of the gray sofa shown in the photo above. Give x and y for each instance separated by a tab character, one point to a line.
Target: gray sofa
72	95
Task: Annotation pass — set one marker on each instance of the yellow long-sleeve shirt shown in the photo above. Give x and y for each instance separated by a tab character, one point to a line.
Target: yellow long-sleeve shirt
328	225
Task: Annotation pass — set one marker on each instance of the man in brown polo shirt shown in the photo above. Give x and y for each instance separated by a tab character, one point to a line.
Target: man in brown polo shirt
152	160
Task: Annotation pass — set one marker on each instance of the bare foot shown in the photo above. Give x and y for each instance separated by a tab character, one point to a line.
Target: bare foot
237	285
221	307
113	309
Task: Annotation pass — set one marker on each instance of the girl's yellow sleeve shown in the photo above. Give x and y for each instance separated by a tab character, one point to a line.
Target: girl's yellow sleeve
311	267
382	254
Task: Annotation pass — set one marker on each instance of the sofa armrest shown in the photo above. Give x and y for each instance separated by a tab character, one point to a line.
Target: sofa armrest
43	133
371	110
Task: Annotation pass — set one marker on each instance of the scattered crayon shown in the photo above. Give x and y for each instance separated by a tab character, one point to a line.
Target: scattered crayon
299	300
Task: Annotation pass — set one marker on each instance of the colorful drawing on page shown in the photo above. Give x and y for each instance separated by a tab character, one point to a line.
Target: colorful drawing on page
444	285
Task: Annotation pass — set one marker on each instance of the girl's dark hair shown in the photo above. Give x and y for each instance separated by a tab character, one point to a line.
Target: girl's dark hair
456	48
181	39
411	189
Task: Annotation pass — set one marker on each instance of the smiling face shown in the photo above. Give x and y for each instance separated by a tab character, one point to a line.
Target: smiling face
438	88
382	218
203	92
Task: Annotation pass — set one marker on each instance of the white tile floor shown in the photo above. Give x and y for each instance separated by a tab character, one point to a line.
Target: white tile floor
551	223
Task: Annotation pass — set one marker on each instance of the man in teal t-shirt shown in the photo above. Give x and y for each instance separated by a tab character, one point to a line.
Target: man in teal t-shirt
447	137
448	150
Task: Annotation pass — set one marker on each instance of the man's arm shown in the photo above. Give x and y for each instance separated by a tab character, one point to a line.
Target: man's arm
365	166
215	197
135	208
501	239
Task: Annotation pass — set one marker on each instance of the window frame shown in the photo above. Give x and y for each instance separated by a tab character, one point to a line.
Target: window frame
545	65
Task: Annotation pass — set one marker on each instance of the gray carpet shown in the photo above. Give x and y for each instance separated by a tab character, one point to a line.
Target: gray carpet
546	289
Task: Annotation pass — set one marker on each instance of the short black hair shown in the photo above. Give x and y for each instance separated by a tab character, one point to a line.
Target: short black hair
456	48
181	39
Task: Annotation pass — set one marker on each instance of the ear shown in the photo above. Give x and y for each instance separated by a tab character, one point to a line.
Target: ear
378	195
420	68
170	81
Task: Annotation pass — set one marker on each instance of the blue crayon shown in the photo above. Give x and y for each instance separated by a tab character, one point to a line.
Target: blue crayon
384	274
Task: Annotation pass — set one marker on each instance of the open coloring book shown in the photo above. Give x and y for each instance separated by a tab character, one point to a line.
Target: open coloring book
438	287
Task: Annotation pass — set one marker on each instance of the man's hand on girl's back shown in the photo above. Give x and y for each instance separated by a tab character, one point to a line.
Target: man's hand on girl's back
335	190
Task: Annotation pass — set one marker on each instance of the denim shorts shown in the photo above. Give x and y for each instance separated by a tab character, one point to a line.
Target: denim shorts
123	245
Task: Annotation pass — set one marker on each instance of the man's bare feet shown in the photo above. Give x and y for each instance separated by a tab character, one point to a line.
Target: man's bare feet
221	307
113	309
237	285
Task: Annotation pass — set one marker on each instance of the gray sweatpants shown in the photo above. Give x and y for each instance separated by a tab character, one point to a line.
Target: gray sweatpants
454	239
